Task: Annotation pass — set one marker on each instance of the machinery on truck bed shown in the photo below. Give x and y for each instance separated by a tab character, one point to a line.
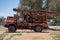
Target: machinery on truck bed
33	19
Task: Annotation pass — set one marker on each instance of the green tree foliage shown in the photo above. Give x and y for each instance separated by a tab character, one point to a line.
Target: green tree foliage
33	4
53	5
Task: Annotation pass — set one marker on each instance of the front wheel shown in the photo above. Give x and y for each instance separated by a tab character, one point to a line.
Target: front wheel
38	29
11	28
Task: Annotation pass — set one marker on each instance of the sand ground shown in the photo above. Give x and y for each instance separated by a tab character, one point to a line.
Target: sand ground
28	35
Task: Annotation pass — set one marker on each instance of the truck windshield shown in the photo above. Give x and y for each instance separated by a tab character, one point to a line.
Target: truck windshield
10	18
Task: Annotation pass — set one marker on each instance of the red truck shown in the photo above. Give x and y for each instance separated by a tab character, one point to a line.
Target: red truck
33	19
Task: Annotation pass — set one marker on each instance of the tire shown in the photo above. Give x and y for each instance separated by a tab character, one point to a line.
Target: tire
11	28
38	29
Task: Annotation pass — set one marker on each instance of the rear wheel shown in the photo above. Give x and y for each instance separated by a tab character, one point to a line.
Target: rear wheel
38	29
11	28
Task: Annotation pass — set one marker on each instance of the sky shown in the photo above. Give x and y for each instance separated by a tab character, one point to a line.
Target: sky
6	7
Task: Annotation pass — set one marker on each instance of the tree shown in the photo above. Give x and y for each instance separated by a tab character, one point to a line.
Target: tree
33	4
53	5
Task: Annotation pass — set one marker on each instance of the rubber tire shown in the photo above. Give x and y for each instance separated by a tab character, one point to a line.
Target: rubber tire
12	28
38	29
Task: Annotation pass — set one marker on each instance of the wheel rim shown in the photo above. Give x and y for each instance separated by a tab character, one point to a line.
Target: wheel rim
38	29
11	29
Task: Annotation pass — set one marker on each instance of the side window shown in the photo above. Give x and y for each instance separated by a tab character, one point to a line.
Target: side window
29	19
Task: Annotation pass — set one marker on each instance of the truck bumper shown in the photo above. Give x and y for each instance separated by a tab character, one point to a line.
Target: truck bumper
6	26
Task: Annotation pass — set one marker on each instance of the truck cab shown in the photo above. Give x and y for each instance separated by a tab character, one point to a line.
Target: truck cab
9	20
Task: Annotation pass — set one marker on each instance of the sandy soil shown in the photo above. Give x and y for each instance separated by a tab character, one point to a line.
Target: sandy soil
2	30
28	35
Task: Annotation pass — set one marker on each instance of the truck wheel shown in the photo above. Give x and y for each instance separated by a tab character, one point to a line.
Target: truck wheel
11	28
38	29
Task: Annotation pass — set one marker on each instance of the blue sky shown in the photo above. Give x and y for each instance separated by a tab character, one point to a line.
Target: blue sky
6	7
